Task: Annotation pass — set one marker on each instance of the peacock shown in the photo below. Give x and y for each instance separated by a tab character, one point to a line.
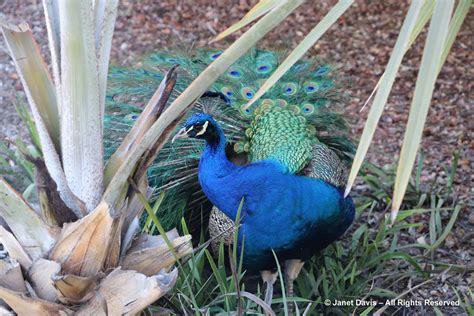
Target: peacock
284	158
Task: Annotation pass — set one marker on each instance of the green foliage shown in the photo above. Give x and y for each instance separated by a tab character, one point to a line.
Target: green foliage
27	119
15	168
371	263
15	164
467	301
380	180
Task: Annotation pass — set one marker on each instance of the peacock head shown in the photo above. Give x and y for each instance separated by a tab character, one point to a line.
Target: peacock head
200	126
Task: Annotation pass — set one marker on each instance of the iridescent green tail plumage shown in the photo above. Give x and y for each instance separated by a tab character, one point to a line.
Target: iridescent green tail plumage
296	115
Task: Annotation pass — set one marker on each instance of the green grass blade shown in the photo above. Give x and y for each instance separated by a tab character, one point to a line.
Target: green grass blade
29	191
149	226
452	172
157	223
282	284
367	311
28	120
419	169
432	54
236	231
357	235
407	213
447	230
384	90
308	42
217	274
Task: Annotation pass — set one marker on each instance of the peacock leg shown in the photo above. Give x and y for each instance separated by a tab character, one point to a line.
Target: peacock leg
269	278
292	270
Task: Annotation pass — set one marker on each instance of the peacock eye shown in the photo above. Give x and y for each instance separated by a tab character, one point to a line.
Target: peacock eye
263	69
311	87
307	109
131	117
227	91
214	56
234	72
247	93
289	88
197	127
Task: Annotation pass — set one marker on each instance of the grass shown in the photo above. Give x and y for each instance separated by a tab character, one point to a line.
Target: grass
370	263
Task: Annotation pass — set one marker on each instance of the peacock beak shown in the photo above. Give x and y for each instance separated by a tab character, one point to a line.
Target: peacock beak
182	133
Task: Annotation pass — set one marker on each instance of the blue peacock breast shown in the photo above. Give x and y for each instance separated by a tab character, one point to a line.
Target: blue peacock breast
292	215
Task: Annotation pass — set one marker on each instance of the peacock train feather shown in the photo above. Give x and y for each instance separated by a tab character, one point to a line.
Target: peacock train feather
296	123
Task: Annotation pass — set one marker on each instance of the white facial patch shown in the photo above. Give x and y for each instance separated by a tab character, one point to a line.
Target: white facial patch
203	130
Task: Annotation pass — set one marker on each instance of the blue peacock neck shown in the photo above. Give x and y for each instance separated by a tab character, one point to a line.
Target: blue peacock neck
216	172
214	159
215	139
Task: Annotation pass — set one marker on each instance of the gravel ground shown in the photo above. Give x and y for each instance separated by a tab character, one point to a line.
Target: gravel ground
360	43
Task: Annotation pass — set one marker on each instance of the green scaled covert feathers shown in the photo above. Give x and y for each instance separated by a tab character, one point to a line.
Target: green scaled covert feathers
277	132
292	118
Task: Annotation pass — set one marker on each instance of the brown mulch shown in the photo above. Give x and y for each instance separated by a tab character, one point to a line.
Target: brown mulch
360	43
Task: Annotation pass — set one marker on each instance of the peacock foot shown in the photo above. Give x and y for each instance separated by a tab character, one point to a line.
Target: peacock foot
292	270
269	278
